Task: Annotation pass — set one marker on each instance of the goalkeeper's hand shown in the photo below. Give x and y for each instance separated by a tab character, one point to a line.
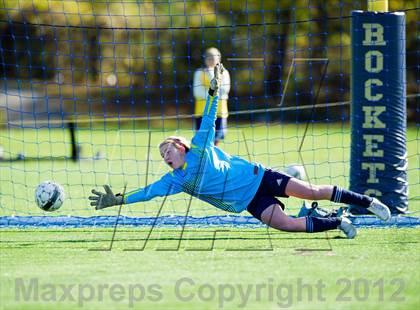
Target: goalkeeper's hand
105	200
216	82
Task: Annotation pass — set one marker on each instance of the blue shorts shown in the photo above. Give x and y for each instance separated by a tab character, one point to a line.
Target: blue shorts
273	184
221	127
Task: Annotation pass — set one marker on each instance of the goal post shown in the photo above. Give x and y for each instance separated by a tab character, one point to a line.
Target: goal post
378	165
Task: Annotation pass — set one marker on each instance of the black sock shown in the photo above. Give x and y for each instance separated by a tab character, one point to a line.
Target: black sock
318	224
345	196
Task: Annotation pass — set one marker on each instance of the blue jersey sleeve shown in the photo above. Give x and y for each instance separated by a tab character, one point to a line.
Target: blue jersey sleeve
160	188
205	135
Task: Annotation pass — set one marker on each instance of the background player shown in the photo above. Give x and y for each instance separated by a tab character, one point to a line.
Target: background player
202	78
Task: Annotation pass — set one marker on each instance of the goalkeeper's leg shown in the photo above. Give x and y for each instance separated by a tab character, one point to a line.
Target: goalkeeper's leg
275	217
301	189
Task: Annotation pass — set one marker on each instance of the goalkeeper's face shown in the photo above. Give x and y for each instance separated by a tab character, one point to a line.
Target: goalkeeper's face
174	155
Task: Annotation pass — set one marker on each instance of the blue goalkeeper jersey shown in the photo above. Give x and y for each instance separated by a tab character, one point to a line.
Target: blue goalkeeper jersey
224	181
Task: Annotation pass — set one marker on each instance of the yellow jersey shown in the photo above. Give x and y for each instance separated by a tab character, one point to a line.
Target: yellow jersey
202	78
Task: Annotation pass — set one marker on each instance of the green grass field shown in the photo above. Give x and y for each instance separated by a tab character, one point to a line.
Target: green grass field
251	268
378	270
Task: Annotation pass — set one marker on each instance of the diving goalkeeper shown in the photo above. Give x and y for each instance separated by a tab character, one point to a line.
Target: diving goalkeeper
233	184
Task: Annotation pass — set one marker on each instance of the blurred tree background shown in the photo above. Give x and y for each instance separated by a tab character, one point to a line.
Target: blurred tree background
137	58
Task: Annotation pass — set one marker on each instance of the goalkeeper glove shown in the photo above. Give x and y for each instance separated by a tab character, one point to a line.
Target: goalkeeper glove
216	82
105	200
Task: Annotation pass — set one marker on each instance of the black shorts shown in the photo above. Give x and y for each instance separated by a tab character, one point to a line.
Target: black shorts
273	184
221	127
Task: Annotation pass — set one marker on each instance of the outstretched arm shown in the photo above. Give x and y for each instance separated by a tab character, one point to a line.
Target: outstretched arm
206	133
160	188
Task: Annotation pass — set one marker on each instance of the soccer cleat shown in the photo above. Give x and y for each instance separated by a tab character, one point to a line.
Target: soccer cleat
347	228
315	211
379	209
305	209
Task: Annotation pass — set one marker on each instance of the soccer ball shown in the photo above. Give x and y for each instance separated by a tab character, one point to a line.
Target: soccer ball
49	196
296	171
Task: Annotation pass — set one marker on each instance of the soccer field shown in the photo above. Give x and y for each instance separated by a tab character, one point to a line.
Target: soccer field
235	267
377	270
325	91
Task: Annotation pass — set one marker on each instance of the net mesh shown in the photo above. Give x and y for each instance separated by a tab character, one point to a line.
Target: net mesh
88	89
